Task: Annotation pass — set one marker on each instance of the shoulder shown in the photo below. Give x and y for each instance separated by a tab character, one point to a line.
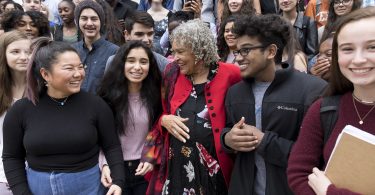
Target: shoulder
159	57
307	79
230	69
20	106
239	87
111	46
91	102
78	45
88	97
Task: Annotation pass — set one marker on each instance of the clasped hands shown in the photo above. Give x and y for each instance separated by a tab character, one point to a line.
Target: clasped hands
243	137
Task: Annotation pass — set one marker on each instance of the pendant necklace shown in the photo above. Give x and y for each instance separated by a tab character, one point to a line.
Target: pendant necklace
361	119
60	103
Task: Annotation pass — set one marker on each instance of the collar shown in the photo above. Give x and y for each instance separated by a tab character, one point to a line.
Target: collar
298	23
96	44
280	75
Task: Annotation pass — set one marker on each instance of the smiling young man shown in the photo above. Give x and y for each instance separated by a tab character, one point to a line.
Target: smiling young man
265	110
140	27
93	49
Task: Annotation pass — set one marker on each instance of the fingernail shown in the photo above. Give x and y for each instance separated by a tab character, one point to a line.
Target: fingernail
184	141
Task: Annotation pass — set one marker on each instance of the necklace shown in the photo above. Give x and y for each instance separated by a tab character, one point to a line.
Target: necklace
362	101
61	103
356	110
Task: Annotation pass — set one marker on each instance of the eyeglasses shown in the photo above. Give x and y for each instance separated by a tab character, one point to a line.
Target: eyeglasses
245	51
344	2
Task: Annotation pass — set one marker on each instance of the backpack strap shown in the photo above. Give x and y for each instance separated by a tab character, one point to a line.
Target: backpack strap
329	111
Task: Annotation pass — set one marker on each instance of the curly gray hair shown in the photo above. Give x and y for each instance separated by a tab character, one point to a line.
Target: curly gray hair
196	34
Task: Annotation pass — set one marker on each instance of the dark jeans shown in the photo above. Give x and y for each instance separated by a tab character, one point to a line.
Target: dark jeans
134	185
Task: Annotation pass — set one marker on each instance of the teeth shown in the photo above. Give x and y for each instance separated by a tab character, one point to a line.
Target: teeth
361	70
243	66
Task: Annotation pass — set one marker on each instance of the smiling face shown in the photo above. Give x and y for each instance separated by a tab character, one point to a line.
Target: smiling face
66	75
137	65
235	5
142	33
66	12
17	55
184	57
288	5
356	56
229	37
89	23
342	7
257	62
27	26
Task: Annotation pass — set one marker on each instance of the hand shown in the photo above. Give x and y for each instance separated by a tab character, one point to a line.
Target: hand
121	24
143	168
241	137
193	6
321	67
175	126
319	182
114	190
106	176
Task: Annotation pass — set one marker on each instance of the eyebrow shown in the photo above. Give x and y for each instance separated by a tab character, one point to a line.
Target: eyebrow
247	45
72	64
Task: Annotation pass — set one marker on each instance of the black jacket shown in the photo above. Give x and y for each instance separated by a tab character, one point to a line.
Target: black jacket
284	105
307	34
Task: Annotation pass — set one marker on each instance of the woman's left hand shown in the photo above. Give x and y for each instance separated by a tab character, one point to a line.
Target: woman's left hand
114	190
143	168
319	182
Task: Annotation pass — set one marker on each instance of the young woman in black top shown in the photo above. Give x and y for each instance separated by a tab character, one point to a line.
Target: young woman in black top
59	129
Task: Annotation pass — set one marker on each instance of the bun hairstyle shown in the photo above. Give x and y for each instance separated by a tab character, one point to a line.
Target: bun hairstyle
44	54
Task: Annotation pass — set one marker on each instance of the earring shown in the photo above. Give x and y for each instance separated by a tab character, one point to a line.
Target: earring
45	83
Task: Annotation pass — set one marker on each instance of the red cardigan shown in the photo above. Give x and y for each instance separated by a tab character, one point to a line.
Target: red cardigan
215	91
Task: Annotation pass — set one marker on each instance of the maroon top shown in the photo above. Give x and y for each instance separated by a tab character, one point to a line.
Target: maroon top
308	149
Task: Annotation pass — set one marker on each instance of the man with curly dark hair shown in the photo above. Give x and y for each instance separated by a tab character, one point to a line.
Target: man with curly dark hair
265	110
32	23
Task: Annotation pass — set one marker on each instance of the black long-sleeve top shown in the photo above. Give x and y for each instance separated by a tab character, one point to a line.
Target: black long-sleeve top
59	138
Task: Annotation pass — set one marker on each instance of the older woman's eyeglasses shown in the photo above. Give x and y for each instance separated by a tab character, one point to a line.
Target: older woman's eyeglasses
245	51
344	2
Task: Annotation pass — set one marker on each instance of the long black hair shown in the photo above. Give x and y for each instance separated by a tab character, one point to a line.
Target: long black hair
223	48
114	87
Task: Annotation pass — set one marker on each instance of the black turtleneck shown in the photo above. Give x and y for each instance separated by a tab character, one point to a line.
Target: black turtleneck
52	137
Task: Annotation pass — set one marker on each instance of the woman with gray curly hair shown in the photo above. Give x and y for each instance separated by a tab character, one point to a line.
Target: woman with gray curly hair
184	147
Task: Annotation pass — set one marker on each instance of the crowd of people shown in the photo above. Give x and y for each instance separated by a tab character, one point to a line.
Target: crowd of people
164	97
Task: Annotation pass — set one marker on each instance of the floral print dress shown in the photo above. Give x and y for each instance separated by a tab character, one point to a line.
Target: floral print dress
193	167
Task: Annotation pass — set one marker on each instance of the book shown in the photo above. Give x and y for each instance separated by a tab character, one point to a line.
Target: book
352	162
